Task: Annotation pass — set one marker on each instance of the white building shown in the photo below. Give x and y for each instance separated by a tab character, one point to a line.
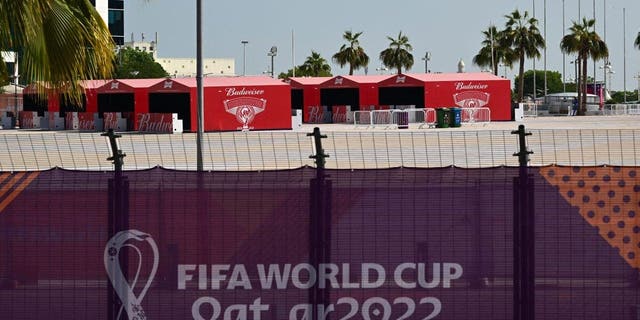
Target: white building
184	67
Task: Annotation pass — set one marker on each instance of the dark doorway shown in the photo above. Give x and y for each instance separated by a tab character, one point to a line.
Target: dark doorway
179	103
402	96
35	103
297	99
67	105
115	102
340	97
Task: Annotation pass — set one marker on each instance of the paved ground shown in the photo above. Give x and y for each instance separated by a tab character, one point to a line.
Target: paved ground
590	140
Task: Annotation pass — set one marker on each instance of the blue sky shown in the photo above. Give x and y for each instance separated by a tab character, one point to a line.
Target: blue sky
450	30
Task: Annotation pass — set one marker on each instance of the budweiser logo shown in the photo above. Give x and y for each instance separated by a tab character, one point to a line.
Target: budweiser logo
168	84
232	92
110	121
115	85
471	86
338	81
471	99
155	122
245	109
401	79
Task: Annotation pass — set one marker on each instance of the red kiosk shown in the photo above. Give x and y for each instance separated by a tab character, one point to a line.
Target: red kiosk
305	92
358	92
235	103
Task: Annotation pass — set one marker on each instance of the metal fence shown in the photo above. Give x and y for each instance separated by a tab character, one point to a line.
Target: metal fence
275	233
361	149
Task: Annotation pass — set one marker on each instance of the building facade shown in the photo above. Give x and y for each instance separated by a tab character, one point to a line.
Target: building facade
112	12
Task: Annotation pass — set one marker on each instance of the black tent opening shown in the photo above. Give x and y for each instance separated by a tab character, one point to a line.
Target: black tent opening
68	105
115	102
340	97
394	96
35	103
297	99
179	103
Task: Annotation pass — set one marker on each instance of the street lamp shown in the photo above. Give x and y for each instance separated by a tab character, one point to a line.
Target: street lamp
608	70
16	77
272	53
426	58
244	57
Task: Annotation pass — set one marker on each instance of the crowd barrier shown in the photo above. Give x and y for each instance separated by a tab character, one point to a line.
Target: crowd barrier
476	115
388	118
621	109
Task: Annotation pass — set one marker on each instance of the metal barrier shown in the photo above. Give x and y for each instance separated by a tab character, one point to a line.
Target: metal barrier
530	109
381	118
476	115
621	109
362	118
387	118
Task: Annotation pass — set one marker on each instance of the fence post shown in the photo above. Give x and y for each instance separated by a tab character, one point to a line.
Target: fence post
523	235
117	216
320	219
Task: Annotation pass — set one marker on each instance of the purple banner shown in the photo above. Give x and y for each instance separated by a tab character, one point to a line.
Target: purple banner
398	244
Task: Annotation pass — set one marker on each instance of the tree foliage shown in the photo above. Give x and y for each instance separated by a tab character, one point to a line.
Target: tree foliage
134	63
523	36
59	42
314	66
351	53
398	55
495	50
585	41
554	82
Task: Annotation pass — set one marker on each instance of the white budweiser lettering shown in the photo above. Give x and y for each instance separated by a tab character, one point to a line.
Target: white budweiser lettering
471	86
110	121
243	92
147	124
86	125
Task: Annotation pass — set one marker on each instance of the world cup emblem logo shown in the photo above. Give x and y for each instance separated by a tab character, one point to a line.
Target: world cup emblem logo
245	109
471	99
123	287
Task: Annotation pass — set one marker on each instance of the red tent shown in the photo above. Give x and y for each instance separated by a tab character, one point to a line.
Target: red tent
461	90
305	93
125	95
235	103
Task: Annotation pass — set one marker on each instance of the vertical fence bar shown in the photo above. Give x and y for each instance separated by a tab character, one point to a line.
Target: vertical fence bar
117	218
523	235
320	219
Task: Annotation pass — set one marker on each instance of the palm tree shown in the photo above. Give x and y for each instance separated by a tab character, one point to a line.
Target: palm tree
494	50
316	66
58	42
585	41
352	54
398	54
523	36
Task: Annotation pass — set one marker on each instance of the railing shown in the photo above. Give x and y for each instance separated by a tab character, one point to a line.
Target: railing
621	109
476	115
391	118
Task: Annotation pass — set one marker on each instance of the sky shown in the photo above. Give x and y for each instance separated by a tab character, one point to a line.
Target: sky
450	30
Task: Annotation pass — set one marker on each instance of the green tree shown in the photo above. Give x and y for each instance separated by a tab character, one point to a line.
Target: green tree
585	41
554	82
314	66
398	55
59	42
495	50
352	53
523	36
134	63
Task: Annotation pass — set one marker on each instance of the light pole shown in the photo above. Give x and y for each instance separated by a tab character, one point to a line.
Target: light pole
637	77
272	53
426	58
244	57
16	77
607	69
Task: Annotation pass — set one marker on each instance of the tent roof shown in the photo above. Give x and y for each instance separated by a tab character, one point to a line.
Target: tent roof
352	81
306	81
232	81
